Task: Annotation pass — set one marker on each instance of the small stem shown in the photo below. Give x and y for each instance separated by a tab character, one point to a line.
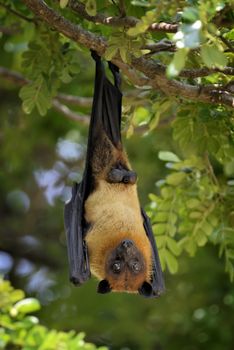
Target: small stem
16	13
210	169
227	43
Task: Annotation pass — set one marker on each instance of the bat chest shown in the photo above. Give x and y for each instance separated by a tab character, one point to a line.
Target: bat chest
113	202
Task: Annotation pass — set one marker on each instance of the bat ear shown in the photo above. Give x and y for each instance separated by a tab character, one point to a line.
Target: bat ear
104	287
146	290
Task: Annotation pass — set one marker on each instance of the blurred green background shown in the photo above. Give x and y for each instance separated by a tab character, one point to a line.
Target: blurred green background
39	159
196	312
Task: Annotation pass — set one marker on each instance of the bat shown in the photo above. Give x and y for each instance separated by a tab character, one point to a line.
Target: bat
108	233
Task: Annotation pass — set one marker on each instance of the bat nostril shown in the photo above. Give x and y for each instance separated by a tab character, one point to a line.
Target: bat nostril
127	243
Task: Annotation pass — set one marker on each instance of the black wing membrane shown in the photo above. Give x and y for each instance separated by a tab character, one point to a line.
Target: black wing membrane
105	117
157	280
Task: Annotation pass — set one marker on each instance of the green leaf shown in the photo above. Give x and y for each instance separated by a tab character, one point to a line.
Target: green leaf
110	52
16	295
176	178
195	215
190	14
190	246
193	203
172	218
167	192
171	262
141	115
177	64
207	228
229	35
168	156
173	246
123	53
201	238
171	229
161	241
230	253
36	94
212	56
161	216
165	205
25	306
159	229
63	3
91	7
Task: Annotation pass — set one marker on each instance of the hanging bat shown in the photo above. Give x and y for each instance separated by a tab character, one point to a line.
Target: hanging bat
108	234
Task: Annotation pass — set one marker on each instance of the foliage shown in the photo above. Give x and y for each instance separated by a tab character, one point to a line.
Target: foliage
19	330
191	207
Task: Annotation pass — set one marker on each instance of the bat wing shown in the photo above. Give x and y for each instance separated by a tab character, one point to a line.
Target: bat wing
74	226
157	280
105	117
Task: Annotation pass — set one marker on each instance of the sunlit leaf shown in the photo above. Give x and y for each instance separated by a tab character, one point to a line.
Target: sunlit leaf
171	262
63	3
25	306
168	156
176	178
177	63
91	7
212	56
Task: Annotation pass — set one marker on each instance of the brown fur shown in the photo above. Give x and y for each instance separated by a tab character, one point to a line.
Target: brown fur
113	211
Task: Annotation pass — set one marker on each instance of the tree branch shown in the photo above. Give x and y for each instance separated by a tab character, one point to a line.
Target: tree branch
14	77
152	70
227	43
62	25
210	94
84	119
123	21
75	100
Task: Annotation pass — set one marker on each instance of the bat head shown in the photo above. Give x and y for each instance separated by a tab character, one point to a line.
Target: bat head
126	270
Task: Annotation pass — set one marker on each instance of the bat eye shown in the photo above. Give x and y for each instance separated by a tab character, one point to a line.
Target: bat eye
136	266
116	267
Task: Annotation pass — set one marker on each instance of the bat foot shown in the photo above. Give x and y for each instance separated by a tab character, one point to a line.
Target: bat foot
75	281
122	176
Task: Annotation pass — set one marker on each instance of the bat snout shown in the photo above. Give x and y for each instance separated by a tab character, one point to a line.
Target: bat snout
127	243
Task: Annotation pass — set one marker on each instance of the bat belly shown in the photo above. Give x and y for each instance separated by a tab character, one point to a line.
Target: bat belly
113	202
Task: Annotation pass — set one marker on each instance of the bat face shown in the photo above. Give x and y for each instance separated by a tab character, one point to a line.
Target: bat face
125	268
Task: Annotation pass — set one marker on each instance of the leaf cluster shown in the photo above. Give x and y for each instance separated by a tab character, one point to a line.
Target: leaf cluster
48	62
19	330
193	209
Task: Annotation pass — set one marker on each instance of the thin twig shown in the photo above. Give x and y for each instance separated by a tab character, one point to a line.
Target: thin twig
122	8
84	119
75	100
210	169
123	21
227	43
16	13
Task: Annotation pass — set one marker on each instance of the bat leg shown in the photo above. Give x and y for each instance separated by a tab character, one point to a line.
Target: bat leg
122	175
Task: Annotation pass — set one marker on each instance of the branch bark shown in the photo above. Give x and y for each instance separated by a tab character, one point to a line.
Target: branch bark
153	71
123	21
84	119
